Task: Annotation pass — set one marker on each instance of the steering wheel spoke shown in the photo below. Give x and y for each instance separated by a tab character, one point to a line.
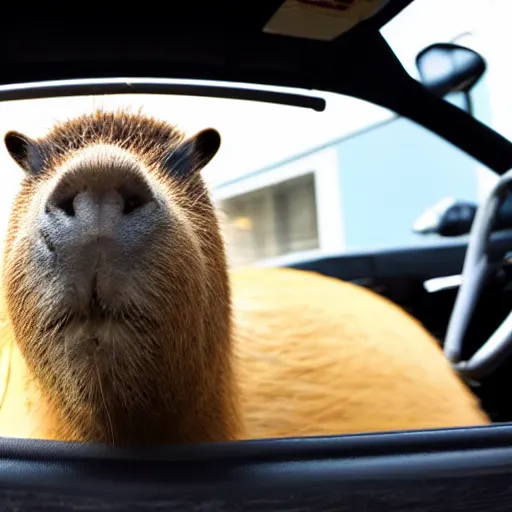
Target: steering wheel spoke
470	288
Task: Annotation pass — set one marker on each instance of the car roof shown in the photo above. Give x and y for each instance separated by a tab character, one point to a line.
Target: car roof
207	40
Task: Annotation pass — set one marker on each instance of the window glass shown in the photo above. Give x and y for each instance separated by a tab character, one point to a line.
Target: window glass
292	182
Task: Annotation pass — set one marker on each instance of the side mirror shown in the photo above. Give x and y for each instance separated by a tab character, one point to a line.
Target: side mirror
448	217
448	67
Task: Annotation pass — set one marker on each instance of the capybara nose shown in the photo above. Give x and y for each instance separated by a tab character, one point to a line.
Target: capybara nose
89	203
106	200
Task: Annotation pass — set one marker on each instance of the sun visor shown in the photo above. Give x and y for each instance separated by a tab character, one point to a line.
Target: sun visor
320	19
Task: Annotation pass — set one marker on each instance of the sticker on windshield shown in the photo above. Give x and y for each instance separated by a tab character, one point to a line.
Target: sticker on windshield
320	19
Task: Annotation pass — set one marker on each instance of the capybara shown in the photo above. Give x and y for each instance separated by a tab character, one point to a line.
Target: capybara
122	324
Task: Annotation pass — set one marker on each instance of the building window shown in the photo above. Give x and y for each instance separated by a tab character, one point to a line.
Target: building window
272	221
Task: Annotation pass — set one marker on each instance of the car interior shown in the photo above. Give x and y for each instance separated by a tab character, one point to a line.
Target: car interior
459	291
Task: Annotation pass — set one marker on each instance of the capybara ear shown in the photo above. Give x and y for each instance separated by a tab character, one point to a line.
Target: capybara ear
26	152
206	145
193	154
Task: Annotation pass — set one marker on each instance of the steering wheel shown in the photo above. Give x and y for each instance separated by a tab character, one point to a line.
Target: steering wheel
474	274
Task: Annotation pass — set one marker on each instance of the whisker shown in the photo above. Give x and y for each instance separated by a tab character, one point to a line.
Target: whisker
109	419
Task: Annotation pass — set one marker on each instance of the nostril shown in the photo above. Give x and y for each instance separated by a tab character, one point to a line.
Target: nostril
67	206
132	202
135	193
120	193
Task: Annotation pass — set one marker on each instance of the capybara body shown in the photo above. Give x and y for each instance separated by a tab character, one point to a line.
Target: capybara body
319	356
117	319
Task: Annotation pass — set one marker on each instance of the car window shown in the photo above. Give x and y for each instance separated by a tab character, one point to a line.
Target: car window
292	182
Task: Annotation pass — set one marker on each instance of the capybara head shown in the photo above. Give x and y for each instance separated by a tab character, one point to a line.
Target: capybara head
116	284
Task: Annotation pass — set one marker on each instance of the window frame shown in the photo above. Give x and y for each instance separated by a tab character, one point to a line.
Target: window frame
456	469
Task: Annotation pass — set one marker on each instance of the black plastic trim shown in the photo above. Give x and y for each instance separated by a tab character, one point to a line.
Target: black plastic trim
89	87
419	262
312	473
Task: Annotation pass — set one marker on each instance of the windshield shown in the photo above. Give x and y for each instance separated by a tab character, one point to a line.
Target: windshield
293	183
481	26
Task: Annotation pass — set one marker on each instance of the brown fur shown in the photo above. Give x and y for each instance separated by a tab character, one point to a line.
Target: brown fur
318	356
312	355
166	373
